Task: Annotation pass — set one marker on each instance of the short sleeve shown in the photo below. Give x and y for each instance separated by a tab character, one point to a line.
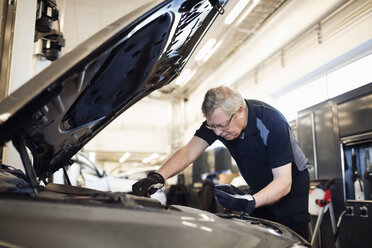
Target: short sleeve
279	145
206	134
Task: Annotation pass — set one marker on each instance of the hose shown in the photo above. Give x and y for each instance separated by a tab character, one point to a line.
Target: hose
347	211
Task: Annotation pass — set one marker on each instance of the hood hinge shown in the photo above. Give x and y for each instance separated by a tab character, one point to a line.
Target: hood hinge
216	4
20	145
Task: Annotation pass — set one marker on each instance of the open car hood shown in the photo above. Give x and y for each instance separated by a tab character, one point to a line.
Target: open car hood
58	111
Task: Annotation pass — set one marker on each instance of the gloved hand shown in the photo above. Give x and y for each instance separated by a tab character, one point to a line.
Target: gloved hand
233	198
149	185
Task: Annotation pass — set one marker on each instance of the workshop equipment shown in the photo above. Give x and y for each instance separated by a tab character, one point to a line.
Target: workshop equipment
358	183
358	216
320	201
368	174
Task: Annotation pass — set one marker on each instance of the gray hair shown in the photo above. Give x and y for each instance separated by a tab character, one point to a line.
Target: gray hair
230	101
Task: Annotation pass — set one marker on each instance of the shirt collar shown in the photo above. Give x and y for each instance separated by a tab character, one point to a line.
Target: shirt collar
250	129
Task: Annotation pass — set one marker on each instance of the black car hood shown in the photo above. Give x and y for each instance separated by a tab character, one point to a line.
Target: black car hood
59	110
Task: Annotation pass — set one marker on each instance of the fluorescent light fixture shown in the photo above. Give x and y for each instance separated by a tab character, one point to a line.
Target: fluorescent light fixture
185	76
149	158
236	11
154	155
208	49
205	49
246	13
146	160
124	157
212	51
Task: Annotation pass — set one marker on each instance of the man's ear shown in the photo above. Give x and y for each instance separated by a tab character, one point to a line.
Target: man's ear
241	111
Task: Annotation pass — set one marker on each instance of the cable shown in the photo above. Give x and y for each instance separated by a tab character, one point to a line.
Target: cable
347	211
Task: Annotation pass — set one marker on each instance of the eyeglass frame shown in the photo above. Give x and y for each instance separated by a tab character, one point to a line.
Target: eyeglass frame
222	127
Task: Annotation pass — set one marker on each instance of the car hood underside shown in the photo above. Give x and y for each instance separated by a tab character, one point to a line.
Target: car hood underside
56	113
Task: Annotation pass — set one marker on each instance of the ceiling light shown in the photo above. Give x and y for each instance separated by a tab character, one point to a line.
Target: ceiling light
208	49
124	157
146	160
185	76
154	155
205	49
211	51
236	11
255	2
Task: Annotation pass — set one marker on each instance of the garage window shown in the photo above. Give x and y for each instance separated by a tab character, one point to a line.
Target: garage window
329	85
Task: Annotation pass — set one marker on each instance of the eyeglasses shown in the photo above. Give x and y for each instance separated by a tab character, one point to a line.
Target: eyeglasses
220	127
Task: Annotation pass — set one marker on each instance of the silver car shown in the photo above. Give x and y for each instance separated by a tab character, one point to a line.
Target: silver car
57	112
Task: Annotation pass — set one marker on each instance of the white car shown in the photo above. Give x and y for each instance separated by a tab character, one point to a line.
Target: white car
125	180
85	173
133	175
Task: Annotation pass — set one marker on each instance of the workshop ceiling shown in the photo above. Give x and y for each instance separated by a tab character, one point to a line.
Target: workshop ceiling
228	40
82	18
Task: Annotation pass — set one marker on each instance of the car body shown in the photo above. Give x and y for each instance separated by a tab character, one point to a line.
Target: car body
58	111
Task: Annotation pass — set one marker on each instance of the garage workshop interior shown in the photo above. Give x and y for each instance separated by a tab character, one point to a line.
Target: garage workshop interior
99	99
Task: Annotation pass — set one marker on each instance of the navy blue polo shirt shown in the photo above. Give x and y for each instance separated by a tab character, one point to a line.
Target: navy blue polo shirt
267	142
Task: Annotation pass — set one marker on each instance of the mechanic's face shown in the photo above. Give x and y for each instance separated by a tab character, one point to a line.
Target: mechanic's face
227	126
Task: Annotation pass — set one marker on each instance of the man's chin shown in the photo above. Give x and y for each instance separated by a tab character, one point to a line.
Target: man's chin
229	137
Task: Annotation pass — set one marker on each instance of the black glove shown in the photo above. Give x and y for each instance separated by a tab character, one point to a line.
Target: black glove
149	185
233	198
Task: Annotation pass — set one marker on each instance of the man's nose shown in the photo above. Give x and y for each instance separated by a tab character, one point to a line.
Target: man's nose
217	131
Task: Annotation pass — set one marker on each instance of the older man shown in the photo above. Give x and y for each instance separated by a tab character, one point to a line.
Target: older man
265	150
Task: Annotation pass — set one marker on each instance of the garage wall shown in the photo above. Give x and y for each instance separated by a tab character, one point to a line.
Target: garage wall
144	127
80	19
342	31
20	68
